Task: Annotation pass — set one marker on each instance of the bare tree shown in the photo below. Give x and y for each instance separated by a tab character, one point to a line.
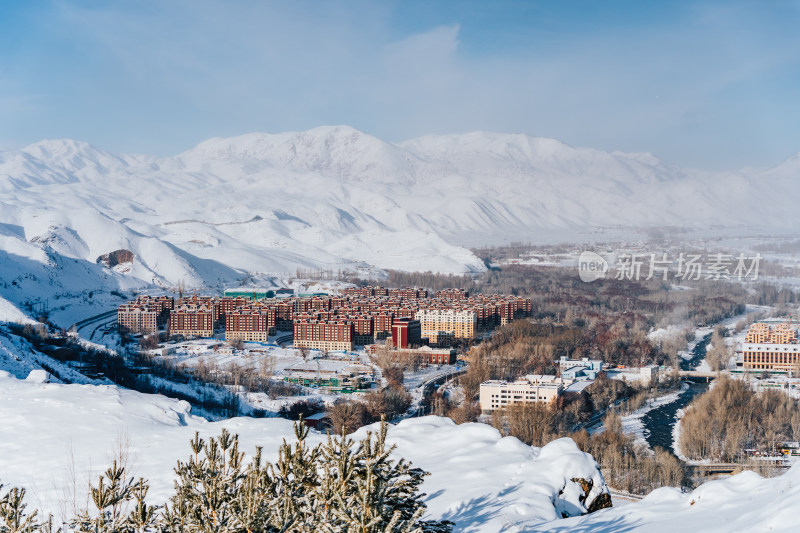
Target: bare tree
347	415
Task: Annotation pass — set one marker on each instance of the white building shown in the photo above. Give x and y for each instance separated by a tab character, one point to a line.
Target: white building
583	369
591	364
496	394
649	374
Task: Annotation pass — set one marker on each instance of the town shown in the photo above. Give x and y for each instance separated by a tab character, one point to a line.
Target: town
411	317
417	325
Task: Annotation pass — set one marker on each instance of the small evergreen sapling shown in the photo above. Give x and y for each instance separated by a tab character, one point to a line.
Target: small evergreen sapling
12	513
112	492
339	487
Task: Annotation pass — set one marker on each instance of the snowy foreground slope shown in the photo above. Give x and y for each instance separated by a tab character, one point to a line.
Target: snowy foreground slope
57	437
479	480
744	503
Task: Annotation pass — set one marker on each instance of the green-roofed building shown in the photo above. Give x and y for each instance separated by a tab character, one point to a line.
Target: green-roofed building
251	293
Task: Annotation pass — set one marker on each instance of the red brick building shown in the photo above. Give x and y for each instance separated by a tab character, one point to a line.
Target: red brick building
192	321
406	333
254	324
425	355
324	335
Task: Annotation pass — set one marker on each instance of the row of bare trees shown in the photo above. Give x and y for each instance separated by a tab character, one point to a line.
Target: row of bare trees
630	466
731	417
351	414
719	353
625	464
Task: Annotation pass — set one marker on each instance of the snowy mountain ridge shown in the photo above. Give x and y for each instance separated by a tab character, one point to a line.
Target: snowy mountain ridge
337	198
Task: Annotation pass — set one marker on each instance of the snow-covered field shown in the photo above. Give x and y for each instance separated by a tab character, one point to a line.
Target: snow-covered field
270	361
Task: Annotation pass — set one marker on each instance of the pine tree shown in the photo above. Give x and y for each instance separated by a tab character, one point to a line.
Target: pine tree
207	484
341	487
297	478
337	472
113	490
374	493
12	513
143	518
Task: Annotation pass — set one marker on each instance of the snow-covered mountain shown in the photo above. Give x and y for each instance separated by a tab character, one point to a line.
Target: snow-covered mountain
337	198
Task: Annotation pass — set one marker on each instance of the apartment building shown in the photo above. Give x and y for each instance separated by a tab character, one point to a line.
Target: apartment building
144	314
442	325
136	318
192	320
771	347
363	328
452	294
406	333
250	324
324	335
371	311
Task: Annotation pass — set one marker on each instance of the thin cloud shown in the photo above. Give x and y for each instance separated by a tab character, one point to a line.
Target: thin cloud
160	76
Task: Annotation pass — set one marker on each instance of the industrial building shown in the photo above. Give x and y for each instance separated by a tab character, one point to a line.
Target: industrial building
251	293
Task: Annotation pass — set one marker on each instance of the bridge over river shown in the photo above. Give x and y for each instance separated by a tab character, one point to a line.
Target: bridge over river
695	374
729	468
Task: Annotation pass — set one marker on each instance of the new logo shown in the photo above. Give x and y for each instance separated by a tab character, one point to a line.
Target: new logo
591	266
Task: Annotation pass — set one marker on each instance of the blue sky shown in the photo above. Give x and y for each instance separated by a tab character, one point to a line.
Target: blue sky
712	85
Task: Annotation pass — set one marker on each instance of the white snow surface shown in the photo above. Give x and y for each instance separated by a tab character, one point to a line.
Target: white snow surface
481	481
10	313
18	358
743	503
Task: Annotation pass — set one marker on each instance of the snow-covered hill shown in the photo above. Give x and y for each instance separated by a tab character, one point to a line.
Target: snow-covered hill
58	437
337	198
743	503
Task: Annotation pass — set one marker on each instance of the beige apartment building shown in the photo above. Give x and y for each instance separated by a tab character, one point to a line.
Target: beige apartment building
442	325
134	318
496	394
771	348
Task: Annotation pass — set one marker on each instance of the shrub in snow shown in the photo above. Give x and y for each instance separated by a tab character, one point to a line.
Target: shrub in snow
338	486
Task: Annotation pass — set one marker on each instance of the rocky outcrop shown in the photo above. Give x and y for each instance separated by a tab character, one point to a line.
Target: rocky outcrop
601	501
116	257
